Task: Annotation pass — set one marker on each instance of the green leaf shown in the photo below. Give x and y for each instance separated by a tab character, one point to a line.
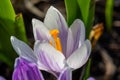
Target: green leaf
7	15
7	19
6	52
20	28
87	8
87	70
10	25
109	13
72	10
84	8
90	19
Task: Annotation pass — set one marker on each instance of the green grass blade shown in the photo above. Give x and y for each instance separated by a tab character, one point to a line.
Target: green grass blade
87	70
109	13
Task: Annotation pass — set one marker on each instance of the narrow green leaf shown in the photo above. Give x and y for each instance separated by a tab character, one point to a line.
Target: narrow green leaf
87	70
7	19
87	8
9	26
109	13
7	55
84	9
20	28
72	10
90	19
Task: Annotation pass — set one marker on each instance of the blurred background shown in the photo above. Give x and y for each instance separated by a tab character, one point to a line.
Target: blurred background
105	64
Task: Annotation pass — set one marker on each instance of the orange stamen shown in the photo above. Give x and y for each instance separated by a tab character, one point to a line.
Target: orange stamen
56	43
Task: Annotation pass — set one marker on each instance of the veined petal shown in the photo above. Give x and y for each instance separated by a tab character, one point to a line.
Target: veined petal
55	20
80	56
70	44
50	57
78	33
66	74
26	70
40	31
39	64
23	50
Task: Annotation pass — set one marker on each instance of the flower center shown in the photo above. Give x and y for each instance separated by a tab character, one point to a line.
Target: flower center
56	40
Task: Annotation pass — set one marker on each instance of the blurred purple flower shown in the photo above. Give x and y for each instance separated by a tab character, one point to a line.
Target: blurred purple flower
2	78
25	70
91	78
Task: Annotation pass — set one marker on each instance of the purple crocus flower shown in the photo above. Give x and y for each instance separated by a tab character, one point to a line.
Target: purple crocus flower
60	46
25	70
26	66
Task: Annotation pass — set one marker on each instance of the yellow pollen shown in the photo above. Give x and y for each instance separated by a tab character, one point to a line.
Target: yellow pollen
57	44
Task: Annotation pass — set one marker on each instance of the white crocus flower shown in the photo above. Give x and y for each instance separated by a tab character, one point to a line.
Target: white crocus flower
59	46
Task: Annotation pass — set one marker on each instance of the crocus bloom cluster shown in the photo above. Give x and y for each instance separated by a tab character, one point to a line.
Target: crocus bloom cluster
26	64
57	49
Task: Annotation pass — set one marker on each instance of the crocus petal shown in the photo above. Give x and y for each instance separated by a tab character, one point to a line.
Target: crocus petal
50	57
78	32
40	65
66	74
80	56
26	70
76	36
23	49
2	78
40	31
70	44
55	20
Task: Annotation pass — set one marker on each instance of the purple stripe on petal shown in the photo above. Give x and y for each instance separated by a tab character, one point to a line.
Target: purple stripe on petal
41	37
25	70
66	74
38	35
63	33
52	65
78	33
70	44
